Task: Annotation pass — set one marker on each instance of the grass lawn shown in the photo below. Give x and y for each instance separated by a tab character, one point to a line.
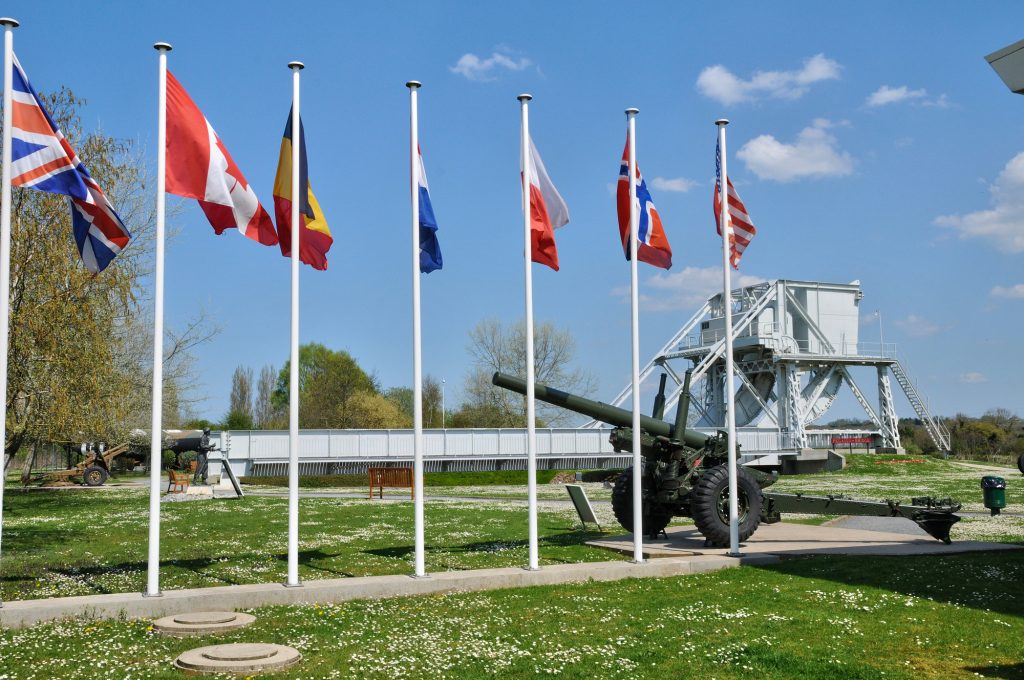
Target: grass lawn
79	542
824	617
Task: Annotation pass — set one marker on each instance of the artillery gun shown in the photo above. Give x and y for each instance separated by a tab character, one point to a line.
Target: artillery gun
685	473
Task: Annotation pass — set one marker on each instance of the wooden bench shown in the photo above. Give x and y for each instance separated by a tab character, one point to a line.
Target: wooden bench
178	480
391	477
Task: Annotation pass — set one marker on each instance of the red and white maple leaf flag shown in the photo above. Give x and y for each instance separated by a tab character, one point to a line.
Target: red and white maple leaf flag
200	167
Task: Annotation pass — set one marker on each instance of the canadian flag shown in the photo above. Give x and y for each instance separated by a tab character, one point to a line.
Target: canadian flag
548	212
200	167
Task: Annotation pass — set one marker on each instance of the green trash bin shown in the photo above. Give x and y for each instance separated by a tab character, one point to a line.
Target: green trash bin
994	490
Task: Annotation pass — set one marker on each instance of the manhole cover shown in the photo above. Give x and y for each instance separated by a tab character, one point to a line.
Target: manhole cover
238	658
198	623
206	618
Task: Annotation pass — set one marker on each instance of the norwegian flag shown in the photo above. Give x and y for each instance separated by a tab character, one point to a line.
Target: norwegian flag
43	160
652	244
741	230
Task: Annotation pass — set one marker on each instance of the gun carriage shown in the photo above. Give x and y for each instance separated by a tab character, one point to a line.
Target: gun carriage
685	473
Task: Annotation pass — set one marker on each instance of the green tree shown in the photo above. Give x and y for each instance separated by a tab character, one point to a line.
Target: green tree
334	392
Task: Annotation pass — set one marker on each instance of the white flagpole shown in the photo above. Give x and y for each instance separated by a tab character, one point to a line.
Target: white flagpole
156	446
5	246
531	427
293	385
417	358
725	226
638	524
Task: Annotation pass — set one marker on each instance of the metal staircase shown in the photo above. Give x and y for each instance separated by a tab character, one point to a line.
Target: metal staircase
936	430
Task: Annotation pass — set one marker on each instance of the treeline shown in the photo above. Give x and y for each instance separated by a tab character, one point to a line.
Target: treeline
997	436
336	393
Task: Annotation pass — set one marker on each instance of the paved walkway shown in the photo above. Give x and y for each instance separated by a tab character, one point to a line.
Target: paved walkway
784	539
229	598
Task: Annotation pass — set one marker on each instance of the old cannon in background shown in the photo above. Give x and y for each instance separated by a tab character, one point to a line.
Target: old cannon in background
685	473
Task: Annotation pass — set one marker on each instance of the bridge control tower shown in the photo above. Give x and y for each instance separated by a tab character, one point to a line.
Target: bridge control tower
794	344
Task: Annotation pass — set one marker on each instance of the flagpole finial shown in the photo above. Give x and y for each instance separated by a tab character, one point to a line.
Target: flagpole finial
296	65
632	111
7	21
525	97
722	121
162	47
413	84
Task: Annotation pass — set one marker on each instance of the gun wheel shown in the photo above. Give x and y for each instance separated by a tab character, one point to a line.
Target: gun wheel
94	475
710	505
655	519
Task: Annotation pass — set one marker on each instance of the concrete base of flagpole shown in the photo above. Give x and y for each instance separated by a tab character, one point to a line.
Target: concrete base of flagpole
529	568
159	593
292	585
735	554
419	576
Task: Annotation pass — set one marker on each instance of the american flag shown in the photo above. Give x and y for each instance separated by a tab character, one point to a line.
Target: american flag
742	230
42	159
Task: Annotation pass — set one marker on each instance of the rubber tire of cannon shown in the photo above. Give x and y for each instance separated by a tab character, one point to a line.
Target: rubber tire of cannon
710	510
94	475
1020	463
622	505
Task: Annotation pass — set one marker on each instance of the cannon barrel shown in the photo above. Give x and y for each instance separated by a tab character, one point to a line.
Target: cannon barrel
597	410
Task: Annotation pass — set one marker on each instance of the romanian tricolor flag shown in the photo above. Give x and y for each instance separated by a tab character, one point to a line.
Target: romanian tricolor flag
314	236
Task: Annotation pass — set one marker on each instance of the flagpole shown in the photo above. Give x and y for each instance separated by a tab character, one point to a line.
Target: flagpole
156	447
638	523
293	373
531	427
417	359
5	246
725	226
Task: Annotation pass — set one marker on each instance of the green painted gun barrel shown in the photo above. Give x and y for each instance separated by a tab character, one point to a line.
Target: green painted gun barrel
597	410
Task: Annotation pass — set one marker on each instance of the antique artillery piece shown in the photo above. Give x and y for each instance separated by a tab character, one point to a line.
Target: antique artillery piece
685	474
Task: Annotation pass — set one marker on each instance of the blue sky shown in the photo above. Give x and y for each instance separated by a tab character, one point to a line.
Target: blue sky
869	141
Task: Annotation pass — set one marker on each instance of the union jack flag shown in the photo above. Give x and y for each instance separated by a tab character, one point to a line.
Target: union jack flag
741	230
43	160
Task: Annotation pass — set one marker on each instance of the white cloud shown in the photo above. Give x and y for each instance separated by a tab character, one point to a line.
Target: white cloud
484	69
684	289
1002	225
719	83
892	95
973	378
815	153
1008	292
918	326
676	184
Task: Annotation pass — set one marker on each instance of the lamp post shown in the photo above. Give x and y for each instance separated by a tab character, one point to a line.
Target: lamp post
442	402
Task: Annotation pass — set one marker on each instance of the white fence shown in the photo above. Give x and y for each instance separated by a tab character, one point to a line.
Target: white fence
265	452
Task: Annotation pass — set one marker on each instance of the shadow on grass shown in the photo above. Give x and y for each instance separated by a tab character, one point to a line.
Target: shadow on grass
1015	671
405	552
308	559
964	579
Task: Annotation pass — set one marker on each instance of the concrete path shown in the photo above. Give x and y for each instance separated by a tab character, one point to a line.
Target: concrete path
784	539
22	613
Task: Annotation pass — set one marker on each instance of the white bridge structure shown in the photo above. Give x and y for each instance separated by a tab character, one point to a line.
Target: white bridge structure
795	344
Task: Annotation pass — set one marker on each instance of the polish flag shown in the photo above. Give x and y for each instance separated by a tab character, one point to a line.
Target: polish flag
200	167
547	212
